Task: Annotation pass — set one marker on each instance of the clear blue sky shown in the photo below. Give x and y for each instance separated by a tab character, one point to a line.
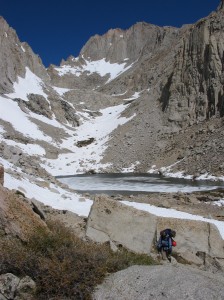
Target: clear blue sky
56	29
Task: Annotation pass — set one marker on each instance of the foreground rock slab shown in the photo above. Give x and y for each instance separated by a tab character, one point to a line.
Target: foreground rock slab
161	282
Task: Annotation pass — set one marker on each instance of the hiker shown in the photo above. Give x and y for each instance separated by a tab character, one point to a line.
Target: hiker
166	243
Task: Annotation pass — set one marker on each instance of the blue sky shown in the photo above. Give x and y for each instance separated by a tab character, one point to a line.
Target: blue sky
57	29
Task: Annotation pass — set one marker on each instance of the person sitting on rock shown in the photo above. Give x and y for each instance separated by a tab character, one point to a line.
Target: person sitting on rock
166	242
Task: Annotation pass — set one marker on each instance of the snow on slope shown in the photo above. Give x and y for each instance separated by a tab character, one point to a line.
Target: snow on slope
102	67
80	158
61	91
31	84
88	157
98	128
53	196
11	112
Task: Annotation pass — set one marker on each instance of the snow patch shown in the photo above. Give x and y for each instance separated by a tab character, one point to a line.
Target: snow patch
130	169
207	176
23	49
101	67
61	91
166	171
172	213
115	95
55	196
10	112
219	203
30	149
31	84
136	95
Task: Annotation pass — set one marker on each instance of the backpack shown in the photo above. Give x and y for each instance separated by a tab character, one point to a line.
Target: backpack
166	233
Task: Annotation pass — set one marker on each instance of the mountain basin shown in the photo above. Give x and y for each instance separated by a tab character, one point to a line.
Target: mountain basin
130	183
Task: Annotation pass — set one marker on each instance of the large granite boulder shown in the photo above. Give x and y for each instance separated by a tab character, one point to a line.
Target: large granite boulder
194	237
110	220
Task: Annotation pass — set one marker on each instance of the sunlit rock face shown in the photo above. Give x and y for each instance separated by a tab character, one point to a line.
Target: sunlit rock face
14	57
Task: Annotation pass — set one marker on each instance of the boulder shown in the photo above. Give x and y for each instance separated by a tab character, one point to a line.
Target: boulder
8	285
25	289
110	220
194	237
12	287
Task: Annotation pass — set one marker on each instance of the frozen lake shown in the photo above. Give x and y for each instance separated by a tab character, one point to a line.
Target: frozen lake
135	183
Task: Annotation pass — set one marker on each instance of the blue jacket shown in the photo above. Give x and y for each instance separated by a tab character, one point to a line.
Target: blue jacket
165	240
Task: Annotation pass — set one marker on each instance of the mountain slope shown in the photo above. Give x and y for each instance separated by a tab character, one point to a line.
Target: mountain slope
133	99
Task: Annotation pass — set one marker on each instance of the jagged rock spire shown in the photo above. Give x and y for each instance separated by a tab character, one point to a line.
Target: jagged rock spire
221	5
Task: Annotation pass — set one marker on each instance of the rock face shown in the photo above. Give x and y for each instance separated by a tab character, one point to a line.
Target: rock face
117	45
110	220
194	88
14	57
161	282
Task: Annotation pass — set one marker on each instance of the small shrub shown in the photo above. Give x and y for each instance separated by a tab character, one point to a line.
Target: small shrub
61	264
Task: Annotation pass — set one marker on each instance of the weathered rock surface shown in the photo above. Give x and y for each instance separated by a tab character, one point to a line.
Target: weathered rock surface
161	282
111	220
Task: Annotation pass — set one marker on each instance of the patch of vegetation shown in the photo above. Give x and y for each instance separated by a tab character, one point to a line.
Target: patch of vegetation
61	264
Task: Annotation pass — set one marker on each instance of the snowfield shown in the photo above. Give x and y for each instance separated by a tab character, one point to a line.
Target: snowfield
101	67
31	84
